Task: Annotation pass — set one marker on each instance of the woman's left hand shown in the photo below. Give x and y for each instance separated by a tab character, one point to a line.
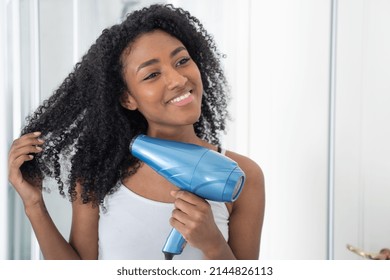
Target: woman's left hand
194	219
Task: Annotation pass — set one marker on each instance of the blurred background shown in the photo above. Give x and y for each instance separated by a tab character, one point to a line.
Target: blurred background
310	83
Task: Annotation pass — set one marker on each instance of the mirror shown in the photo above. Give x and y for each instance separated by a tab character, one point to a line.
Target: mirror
326	168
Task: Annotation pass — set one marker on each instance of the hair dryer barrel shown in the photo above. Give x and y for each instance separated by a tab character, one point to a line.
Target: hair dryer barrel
190	167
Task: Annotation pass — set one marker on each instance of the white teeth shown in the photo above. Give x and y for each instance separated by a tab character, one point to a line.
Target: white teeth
181	97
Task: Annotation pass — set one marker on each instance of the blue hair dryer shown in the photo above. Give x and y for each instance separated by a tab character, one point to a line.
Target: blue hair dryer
192	168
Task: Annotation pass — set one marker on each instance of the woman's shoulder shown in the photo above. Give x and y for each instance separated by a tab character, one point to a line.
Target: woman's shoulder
251	168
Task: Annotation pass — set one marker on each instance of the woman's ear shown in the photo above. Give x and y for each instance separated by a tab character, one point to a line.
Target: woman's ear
128	101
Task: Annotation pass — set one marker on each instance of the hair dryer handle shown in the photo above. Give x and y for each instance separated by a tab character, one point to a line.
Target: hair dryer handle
175	244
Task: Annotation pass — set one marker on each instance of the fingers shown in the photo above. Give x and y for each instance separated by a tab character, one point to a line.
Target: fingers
189	203
20	160
187	196
190	210
28	140
23	148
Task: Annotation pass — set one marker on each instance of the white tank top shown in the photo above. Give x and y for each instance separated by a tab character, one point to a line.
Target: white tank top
134	227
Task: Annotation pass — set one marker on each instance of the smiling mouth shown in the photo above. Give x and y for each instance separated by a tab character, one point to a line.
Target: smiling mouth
181	97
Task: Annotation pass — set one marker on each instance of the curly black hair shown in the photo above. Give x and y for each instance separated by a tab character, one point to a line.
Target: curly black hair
85	122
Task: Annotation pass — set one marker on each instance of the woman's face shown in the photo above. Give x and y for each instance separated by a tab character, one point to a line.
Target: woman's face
163	82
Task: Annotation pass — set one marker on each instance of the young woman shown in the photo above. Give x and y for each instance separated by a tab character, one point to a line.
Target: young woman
157	73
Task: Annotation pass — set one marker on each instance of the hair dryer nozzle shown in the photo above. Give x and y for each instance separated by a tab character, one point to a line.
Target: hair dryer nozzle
236	179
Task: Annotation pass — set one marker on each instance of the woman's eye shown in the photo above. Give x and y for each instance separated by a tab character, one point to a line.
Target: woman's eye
183	61
151	76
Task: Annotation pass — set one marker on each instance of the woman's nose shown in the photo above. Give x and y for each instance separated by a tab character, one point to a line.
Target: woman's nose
175	79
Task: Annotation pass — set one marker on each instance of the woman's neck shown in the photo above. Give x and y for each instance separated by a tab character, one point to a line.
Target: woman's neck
186	134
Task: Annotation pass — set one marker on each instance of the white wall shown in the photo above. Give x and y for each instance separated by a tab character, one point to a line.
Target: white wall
288	136
362	208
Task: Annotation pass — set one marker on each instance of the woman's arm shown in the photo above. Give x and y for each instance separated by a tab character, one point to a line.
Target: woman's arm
52	243
83	242
246	219
84	230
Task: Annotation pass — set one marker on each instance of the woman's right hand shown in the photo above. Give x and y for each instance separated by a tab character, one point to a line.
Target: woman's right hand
22	150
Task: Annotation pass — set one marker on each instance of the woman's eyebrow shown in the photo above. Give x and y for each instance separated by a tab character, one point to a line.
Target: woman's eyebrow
147	63
155	60
177	50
